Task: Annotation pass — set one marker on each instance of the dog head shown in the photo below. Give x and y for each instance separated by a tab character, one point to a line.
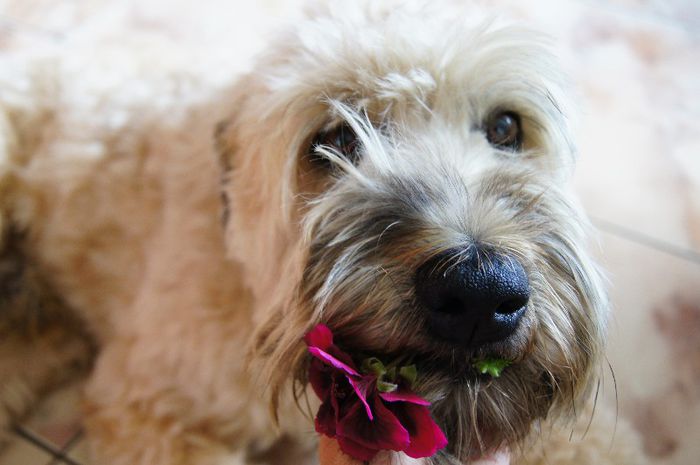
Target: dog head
401	174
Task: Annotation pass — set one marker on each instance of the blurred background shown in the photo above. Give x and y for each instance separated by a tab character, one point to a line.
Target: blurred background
636	64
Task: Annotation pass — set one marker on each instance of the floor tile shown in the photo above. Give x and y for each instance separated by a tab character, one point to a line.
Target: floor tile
654	346
640	134
79	452
641	131
21	452
57	419
73	453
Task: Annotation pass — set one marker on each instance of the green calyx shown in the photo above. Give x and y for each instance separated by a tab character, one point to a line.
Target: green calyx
491	366
409	373
389	378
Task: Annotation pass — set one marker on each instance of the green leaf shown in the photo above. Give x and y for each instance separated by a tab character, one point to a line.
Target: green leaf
385	386
409	373
491	366
373	365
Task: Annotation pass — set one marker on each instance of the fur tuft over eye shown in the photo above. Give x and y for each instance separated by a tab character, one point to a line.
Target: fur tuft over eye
341	139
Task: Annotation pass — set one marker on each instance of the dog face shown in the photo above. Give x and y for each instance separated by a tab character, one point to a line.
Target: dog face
401	175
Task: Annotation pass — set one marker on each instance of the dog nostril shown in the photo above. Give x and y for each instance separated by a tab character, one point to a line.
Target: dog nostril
511	306
475	301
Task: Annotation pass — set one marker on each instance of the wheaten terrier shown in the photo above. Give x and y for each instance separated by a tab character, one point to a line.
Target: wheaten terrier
400	174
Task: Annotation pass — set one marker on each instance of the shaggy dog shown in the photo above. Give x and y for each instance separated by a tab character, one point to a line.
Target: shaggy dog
399	174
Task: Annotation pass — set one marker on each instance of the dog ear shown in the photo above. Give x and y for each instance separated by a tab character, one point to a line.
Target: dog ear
224	133
224	153
224	150
226	137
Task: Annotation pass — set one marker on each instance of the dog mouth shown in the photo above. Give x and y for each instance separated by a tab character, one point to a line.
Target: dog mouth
452	361
449	365
459	366
474	392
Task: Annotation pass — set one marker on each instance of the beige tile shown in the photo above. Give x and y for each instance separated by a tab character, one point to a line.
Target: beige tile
20	452
79	452
655	348
57	419
641	132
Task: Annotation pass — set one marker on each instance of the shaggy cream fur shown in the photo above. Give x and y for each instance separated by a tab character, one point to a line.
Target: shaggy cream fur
112	193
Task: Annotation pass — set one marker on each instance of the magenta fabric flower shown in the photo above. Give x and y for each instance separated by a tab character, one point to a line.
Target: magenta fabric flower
369	409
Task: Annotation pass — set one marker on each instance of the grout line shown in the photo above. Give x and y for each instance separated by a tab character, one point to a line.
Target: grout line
63	458
73	441
668	248
35	440
42	444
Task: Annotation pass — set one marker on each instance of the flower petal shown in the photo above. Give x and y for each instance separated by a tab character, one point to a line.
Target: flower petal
356	450
331	360
362	387
384	432
320	378
403	395
325	419
335	390
426	437
321	337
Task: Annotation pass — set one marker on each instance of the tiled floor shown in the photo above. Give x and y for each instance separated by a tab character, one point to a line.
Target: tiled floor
637	65
52	435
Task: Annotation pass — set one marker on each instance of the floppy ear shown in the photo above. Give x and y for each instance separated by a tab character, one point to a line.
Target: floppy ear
252	158
255	145
233	105
226	138
223	149
223	156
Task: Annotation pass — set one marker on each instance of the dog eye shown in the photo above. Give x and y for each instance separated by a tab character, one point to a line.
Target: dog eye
503	130
341	138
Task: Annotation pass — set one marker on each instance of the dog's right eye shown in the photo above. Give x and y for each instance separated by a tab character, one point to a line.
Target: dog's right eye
341	138
504	131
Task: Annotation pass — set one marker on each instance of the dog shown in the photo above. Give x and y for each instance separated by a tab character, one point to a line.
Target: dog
399	172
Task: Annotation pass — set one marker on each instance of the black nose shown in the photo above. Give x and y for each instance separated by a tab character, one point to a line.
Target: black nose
472	301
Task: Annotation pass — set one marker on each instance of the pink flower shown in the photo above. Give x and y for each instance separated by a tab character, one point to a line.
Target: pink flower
371	410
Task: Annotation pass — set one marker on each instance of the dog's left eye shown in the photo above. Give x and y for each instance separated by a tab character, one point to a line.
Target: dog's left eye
504	131
341	138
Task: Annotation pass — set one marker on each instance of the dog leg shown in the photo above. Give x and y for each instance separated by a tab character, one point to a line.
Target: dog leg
135	417
139	413
172	388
